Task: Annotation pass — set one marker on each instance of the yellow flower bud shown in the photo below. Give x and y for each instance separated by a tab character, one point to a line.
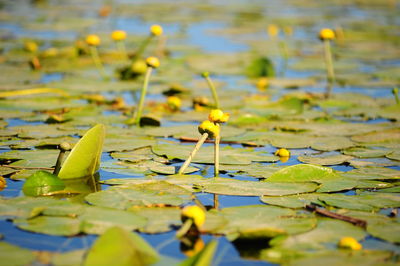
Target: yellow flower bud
156	30
217	116
273	30
326	34
152	62
93	40
139	66
195	213
174	103
282	152
262	83
349	243
31	46
210	128
118	35
3	183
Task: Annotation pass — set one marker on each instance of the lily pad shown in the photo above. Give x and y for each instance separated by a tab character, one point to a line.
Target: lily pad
267	222
366	152
226	186
60	226
14	256
41	183
124	198
303	173
324	159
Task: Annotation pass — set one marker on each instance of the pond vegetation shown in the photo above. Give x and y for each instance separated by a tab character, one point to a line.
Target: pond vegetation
199	132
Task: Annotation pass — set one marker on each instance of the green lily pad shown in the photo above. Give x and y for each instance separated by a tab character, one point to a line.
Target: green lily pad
293	201
266	221
60	226
31	158
368	202
227	186
331	143
121	247
324	159
124	198
228	155
378	173
366	152
13	255
96	220
166	219
41	183
394	155
303	173
382	136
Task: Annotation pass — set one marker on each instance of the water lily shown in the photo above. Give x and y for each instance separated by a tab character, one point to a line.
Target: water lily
327	35
93	41
349	243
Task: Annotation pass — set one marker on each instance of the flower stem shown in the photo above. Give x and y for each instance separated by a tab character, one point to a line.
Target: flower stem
96	59
58	163
216	155
122	49
395	92
193	153
184	228
329	67
142	47
216	202
213	91
143	95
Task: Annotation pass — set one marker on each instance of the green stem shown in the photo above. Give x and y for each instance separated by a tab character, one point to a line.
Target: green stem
96	59
184	228
216	155
213	91
329	66
193	153
216	202
122	49
142	47
143	95
58	163
395	92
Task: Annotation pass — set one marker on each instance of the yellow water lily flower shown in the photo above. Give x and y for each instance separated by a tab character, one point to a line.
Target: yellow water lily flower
156	30
195	213
118	35
217	116
273	30
282	152
3	183
209	127
326	34
93	40
349	243
152	62
174	103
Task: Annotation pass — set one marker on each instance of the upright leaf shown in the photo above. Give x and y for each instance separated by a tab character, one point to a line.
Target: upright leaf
120	247
84	159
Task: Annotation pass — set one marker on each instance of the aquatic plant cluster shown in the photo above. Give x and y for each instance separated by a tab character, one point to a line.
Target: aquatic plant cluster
132	136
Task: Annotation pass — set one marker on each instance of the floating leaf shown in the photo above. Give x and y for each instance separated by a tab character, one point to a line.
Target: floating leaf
366	152
227	186
121	247
41	183
303	173
60	226
324	159
167	217
84	159
266	221
12	255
